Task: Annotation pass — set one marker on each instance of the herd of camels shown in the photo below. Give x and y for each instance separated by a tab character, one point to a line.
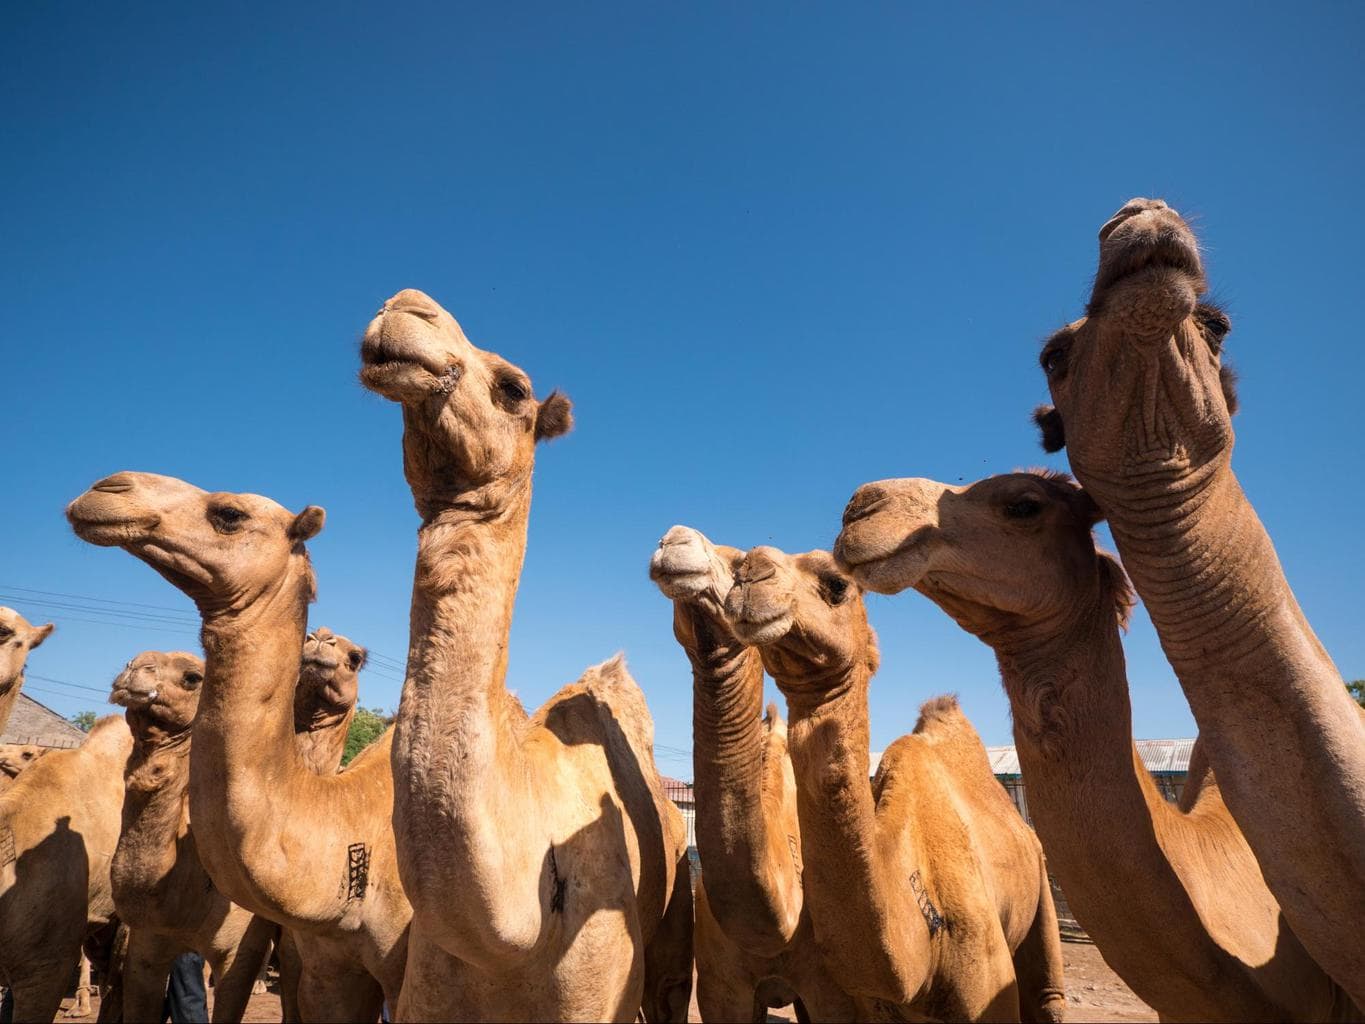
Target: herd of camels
481	863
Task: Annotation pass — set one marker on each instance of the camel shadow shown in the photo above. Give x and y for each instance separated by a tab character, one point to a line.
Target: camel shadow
43	918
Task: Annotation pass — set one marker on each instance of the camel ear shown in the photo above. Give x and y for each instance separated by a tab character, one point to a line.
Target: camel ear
554	417
307	524
1049	422
1227	377
39	634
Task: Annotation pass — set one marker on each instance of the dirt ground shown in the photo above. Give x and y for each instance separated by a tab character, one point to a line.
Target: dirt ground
1093	993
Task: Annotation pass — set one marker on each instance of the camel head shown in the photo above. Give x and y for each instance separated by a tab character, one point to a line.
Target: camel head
18	636
223	550
806	617
329	674
160	690
1138	381
470	418
1010	551
15	757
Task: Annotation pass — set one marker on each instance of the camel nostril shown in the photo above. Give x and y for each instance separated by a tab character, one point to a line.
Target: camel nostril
116	484
863	502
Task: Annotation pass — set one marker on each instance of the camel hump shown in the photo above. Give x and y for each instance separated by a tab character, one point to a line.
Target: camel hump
774	723
110	734
943	712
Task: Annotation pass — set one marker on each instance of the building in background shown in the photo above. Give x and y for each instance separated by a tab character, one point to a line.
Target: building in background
33	723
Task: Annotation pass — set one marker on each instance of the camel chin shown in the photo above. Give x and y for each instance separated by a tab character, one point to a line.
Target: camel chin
760	634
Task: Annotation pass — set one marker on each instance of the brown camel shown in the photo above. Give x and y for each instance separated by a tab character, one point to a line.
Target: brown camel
324	703
161	890
311	852
553	829
927	890
1173	897
755	945
17	637
59	826
1144	407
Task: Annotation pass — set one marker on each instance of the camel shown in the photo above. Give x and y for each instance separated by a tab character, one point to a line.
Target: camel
755	944
18	637
554	828
1013	560
324	702
928	891
311	852
14	758
59	826
161	890
1143	405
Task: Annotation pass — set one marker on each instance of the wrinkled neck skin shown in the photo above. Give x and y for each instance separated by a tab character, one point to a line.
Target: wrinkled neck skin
464	797
753	877
1272	711
155	852
258	812
877	945
320	730
1109	833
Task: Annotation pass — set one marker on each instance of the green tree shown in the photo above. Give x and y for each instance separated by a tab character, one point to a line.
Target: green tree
1357	689
83	720
366	727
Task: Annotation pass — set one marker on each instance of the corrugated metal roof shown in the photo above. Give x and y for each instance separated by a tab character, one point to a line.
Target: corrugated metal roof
1158	757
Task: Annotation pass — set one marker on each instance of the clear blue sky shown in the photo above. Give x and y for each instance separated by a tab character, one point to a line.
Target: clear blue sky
772	252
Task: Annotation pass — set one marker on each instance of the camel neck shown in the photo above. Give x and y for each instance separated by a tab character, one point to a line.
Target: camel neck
9	696
753	882
320	733
1107	829
877	945
155	820
459	770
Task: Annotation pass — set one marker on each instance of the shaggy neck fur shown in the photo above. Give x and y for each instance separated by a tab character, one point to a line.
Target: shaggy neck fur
460	772
155	835
874	944
753	877
320	729
1109	833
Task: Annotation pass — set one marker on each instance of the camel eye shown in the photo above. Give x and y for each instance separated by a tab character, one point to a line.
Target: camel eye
5	633
227	519
1024	508
354	660
837	587
513	390
192	680
1054	361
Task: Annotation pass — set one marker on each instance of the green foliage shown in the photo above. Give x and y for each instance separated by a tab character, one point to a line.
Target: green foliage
366	727
83	720
1357	689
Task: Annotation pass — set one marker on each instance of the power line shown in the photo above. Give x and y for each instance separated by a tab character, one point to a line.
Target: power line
101	600
64	682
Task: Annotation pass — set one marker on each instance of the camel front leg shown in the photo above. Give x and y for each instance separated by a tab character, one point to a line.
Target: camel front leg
291	971
236	966
1038	963
80	1006
331	991
146	968
668	958
37	993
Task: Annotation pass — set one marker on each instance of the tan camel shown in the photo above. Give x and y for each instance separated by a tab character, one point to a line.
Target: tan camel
59	825
313	853
927	890
1144	407
755	945
17	637
14	758
161	890
324	703
553	829
1172	897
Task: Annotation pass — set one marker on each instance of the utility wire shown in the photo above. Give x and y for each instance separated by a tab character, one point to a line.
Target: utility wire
101	600
63	682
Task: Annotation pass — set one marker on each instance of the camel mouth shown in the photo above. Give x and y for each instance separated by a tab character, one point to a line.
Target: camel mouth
761	633
111	532
885	568
1145	240
680	570
131	697
320	664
